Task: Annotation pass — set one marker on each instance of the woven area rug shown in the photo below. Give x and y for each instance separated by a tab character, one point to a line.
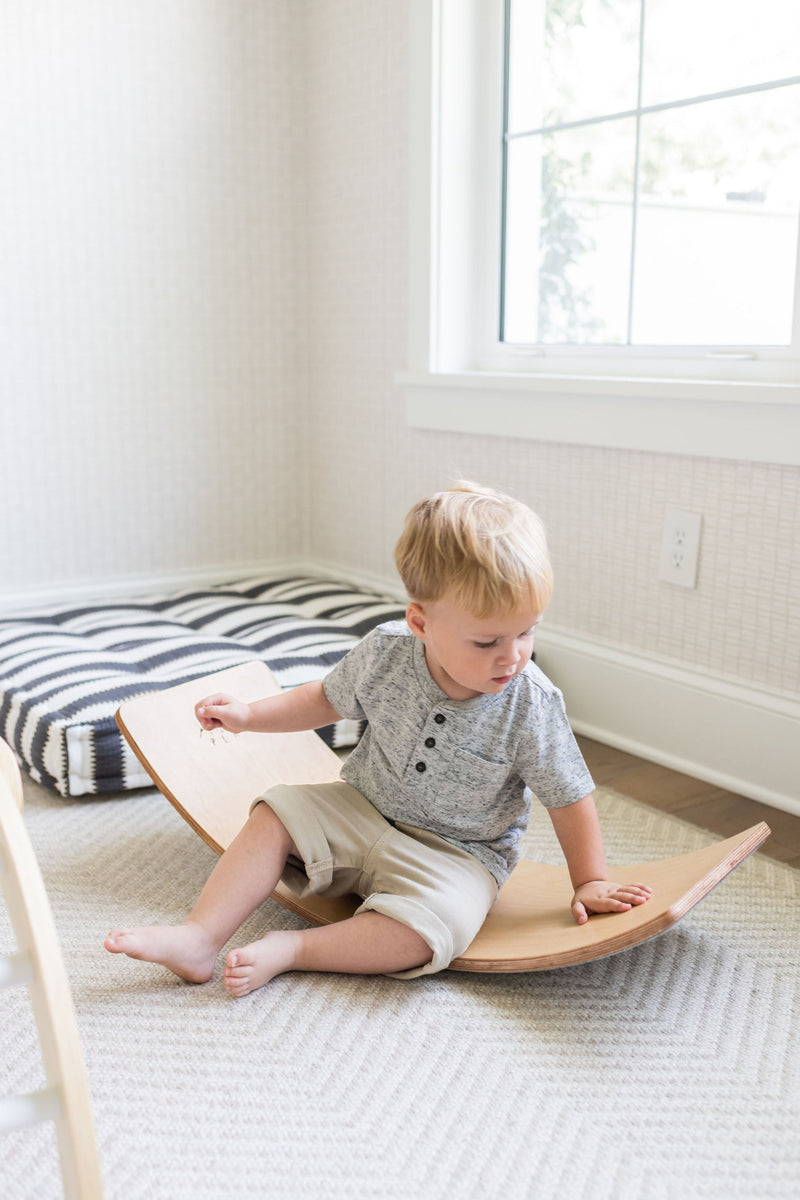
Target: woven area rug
670	1071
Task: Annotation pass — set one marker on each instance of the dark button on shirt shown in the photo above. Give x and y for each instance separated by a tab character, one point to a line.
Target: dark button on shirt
421	767
440	718
430	743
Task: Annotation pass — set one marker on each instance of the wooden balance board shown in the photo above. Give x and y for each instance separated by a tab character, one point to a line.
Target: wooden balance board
212	779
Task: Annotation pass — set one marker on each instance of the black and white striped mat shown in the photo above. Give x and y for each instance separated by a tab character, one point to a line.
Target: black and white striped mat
64	671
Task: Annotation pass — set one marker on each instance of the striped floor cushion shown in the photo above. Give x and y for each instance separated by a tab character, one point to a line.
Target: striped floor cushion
64	671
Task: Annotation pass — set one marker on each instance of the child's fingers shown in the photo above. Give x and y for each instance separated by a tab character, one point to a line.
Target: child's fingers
219	698
609	898
601	904
634	893
210	711
209	722
609	904
204	716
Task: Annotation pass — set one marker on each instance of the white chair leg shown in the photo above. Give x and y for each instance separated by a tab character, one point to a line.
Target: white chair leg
38	963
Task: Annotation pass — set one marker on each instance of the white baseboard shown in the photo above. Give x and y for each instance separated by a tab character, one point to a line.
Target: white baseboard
121	587
739	738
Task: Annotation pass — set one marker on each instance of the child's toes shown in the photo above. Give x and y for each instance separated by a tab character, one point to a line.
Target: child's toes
237	988
238	982
117	941
237	969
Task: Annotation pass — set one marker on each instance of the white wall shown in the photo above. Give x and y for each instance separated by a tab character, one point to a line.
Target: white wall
150	300
706	680
604	508
204	240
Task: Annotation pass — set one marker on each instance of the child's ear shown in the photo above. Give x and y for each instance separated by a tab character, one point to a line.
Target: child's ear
415	619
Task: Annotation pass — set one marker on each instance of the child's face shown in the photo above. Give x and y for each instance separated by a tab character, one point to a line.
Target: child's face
468	656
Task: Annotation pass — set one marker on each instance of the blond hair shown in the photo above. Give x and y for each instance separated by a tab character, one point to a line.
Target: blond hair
487	551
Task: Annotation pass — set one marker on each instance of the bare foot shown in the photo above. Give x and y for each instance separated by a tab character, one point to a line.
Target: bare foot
185	949
254	965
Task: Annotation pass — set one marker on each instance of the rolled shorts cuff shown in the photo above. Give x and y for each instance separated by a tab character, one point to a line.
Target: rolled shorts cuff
418	917
316	874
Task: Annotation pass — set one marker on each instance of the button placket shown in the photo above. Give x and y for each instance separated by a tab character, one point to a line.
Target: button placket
430	742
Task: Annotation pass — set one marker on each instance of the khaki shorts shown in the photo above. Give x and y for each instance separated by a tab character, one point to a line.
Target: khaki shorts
346	846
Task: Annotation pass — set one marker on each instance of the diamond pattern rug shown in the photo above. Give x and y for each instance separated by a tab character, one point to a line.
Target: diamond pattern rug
666	1072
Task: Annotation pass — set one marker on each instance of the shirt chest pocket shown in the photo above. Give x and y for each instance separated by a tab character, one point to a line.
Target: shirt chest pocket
475	780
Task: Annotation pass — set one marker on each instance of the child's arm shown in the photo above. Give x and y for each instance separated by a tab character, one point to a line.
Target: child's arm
578	831
304	707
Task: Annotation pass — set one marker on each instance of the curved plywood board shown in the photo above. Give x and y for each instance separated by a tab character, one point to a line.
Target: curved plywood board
212	780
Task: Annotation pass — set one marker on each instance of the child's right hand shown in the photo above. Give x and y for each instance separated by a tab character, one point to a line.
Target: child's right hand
223	712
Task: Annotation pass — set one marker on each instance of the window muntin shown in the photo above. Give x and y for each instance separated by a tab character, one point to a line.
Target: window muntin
641	206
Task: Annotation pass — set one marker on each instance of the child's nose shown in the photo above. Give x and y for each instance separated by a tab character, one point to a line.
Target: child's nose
510	658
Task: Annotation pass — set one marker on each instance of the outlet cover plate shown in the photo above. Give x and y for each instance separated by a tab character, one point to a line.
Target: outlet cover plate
680	548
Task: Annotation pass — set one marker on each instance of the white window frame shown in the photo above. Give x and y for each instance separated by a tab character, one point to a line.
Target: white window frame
460	377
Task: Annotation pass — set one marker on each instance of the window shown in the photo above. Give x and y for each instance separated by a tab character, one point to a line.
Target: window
635	373
651	174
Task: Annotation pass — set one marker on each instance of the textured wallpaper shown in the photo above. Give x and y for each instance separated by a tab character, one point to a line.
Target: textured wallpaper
604	509
149	294
204	303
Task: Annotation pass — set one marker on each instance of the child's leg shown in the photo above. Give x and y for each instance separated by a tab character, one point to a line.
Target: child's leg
367	944
244	877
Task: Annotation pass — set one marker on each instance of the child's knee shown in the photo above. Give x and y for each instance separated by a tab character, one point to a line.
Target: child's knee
422	923
269	824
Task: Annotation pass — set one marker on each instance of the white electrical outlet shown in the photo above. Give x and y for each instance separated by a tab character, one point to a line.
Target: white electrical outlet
680	548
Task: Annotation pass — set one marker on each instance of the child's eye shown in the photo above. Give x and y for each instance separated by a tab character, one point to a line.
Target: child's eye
485	645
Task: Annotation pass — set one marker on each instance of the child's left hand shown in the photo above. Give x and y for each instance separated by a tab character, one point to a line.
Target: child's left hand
601	895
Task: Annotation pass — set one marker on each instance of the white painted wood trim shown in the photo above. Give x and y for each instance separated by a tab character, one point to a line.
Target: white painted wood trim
123	587
717	419
740	738
751	412
735	737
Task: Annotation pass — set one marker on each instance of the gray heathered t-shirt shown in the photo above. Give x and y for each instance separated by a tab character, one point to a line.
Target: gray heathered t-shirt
459	768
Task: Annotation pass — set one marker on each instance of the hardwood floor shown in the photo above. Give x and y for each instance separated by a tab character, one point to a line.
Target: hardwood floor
690	799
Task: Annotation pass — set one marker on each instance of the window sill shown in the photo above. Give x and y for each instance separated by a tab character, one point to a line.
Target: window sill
757	422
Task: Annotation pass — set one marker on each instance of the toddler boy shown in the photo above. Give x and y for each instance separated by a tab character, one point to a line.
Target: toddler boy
426	819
